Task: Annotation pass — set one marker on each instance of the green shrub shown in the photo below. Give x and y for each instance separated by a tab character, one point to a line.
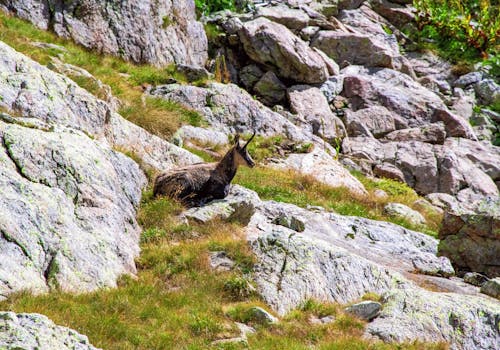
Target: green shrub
210	6
463	29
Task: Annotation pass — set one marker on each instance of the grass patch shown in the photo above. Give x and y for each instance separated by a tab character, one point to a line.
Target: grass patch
301	190
126	80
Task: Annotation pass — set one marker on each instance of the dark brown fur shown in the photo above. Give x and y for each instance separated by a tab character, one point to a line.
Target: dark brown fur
199	183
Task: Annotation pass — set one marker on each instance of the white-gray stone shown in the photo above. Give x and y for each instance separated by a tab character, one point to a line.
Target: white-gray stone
37	332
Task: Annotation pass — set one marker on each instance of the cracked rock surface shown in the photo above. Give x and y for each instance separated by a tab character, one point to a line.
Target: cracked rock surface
34	331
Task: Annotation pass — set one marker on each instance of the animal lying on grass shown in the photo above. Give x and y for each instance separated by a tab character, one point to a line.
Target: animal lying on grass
197	184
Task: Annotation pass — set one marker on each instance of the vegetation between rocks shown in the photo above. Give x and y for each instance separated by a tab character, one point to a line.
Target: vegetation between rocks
462	29
178	302
126	80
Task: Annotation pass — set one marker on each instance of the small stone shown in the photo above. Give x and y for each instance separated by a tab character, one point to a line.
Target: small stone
476	279
380	194
261	316
366	310
219	261
428	264
404	212
193	73
492	288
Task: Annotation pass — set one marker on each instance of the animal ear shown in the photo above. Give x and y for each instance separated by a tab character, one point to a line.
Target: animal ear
237	139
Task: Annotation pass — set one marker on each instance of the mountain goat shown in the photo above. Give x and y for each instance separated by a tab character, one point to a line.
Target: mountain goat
199	183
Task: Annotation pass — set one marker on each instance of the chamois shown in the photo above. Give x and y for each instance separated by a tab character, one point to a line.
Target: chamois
197	184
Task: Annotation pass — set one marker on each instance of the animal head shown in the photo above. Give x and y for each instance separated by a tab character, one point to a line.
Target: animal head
242	157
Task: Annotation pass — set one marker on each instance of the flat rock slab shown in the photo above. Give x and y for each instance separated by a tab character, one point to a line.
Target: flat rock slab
35	331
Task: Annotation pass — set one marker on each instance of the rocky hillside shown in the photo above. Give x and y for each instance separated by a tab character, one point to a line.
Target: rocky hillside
371	222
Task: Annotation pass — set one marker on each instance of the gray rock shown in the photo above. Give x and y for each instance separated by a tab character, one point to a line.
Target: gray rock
404	212
354	255
376	120
219	261
332	87
393	90
202	136
308	32
238	206
230	109
312	106
34	331
192	73
455	125
440	267
354	48
366	310
464	321
270	89
464	168
488	91
323	168
397	14
476	279
388	171
261	316
293	19
274	45
141	31
36	91
470	238
492	288
469	79
249	75
433	133
69	216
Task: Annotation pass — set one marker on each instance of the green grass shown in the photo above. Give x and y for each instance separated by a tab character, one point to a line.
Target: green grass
291	187
127	80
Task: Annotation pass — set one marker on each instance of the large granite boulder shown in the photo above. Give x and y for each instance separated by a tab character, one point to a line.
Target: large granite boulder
156	32
460	167
275	46
34	331
463	321
67	209
471	239
403	96
323	167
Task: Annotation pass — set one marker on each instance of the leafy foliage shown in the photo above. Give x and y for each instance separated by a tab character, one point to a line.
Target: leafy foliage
465	29
210	6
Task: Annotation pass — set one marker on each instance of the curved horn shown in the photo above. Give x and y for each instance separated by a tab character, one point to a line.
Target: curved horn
251	138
